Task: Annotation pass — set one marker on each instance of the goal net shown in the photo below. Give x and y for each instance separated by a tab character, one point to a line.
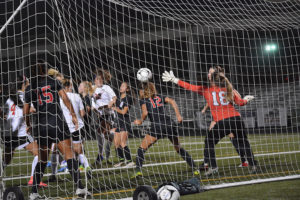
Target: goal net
257	43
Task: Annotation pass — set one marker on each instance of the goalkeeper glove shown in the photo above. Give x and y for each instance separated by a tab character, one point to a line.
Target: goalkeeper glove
169	77
249	98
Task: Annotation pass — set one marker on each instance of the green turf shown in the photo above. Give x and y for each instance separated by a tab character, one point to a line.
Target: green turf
281	190
113	184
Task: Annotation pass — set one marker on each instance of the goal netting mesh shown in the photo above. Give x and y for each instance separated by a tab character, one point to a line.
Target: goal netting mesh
257	42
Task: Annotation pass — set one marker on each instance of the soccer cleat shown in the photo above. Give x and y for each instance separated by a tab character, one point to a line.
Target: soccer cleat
81	168
30	183
120	164
49	164
211	171
203	167
197	172
52	178
244	164
64	163
137	174
83	191
129	164
43	184
34	196
62	169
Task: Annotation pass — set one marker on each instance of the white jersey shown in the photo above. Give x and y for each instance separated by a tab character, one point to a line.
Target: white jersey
15	119
77	105
106	95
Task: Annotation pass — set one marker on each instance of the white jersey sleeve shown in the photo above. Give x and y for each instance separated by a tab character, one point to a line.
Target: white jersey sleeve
109	90
15	119
74	99
81	107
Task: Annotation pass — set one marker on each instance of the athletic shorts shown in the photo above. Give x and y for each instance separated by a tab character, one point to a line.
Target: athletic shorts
76	136
107	118
233	125
122	125
161	130
14	142
46	134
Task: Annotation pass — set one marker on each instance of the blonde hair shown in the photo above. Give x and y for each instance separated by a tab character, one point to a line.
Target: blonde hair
54	73
149	90
89	88
105	75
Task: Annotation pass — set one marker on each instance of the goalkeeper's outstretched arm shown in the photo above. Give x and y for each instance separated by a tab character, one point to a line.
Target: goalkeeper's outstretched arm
170	77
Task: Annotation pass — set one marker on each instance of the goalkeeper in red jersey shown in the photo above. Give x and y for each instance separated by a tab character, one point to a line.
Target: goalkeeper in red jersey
220	97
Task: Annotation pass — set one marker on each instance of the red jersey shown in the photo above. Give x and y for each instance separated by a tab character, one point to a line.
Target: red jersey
216	98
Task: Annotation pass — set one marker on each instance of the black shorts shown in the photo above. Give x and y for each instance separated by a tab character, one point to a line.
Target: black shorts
12	142
233	125
46	134
163	130
122	125
107	118
76	136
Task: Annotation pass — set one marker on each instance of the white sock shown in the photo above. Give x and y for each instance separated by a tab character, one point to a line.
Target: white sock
34	163
83	160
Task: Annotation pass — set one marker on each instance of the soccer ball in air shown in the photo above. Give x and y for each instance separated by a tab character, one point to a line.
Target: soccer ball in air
144	74
168	192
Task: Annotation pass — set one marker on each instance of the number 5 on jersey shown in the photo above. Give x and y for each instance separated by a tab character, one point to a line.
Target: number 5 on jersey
45	94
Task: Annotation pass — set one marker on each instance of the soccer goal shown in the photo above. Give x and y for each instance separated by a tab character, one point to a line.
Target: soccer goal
255	42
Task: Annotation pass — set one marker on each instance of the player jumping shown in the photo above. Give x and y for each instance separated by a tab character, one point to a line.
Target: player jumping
153	106
220	97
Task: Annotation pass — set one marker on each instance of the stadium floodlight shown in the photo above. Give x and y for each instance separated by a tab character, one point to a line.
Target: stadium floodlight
270	47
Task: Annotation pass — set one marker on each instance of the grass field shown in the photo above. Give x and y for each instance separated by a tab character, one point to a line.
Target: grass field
277	154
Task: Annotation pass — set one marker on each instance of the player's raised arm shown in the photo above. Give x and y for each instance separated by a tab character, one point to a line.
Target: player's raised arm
173	103
170	77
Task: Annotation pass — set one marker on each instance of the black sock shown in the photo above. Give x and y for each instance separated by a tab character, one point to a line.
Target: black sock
186	156
73	169
38	175
238	149
140	158
120	154
127	153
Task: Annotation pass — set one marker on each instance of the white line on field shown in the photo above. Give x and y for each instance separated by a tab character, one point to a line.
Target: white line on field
158	164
